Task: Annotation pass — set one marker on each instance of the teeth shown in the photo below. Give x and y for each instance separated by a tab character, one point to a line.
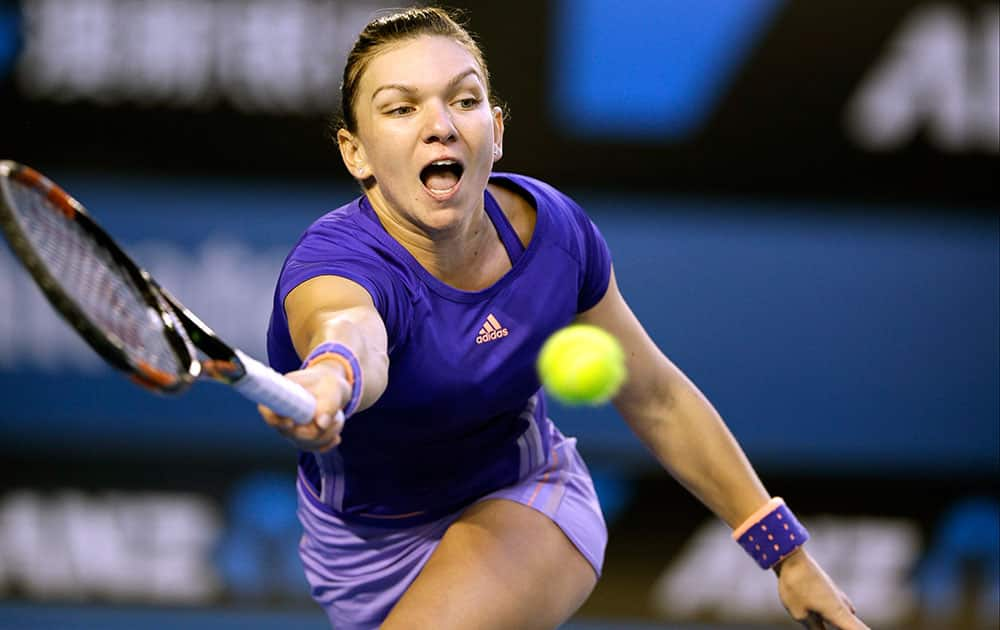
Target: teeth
443	163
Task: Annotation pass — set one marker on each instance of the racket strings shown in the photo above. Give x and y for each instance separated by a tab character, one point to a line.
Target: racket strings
89	275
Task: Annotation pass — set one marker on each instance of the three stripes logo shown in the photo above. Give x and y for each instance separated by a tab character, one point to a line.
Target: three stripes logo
491	330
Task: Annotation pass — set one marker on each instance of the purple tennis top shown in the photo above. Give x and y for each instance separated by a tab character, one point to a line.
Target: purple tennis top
464	413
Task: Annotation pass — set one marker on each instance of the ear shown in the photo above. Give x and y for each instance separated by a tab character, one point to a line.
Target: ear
497	134
353	154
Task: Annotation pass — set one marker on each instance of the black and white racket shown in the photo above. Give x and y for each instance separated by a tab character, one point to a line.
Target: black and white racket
117	307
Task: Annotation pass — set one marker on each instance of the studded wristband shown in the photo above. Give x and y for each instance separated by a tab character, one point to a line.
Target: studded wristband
771	533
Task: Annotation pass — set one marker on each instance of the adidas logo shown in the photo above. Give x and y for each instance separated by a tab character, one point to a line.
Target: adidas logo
491	330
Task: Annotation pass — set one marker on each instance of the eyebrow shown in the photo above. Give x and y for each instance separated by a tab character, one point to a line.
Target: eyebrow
409	89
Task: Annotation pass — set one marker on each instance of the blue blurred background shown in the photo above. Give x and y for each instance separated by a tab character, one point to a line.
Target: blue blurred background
801	203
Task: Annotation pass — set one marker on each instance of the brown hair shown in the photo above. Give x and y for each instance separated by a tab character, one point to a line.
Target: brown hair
393	28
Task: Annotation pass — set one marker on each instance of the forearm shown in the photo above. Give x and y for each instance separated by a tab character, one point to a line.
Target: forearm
338	310
343	328
676	421
691	441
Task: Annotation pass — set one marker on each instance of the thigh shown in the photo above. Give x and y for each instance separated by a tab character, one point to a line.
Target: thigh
500	565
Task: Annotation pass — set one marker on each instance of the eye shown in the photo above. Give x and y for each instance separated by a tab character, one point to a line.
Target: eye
469	102
401	110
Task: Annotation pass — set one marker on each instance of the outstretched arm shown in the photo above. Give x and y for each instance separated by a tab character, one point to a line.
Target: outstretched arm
336	310
688	437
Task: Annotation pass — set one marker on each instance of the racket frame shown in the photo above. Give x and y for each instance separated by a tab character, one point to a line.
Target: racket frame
106	344
184	332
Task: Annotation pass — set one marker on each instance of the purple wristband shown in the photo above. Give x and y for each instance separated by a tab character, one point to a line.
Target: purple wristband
329	350
773	537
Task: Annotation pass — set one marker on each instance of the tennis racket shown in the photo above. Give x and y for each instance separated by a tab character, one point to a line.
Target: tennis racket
117	307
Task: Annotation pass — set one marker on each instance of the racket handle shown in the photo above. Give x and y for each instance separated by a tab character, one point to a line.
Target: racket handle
265	386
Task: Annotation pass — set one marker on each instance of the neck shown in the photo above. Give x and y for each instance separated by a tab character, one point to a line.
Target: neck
454	253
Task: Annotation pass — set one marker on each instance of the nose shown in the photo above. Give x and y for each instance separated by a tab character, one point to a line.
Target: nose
438	125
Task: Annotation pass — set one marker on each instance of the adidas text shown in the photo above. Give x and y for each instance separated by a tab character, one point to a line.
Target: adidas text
491	336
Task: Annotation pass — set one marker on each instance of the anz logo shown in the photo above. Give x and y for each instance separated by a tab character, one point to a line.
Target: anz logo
649	69
937	79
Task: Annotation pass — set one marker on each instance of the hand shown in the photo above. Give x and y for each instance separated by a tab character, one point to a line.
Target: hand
811	597
326	382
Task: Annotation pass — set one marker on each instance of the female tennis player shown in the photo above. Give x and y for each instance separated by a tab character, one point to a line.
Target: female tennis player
448	499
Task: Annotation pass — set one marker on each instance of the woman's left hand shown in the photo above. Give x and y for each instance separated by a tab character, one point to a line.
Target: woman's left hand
811	597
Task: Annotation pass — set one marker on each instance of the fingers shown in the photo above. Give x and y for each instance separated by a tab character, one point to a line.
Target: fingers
273	420
842	619
848	603
326	382
812	621
322	434
812	598
848	621
329	427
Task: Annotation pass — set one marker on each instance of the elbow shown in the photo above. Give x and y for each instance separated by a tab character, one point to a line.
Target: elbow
647	406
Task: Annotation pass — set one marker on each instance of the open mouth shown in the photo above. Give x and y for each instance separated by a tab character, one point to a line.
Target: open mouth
441	176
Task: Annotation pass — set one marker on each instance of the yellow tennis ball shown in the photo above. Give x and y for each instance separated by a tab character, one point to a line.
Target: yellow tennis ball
582	364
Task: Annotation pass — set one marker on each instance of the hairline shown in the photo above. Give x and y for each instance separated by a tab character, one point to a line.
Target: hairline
471	46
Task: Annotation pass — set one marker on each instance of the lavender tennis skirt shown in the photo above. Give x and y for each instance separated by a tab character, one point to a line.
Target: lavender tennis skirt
359	572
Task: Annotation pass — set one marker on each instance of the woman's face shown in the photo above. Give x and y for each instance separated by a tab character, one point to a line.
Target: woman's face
426	132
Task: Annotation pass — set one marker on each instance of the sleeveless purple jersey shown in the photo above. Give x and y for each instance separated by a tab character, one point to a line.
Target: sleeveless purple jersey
463	413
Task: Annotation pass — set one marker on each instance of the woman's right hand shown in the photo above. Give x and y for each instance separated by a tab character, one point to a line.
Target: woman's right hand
327	382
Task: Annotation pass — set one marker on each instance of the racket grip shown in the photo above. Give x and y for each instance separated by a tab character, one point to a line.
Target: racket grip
265	386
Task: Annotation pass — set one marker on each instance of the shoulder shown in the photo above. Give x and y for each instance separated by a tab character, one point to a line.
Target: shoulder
341	232
518	206
343	243
553	207
533	191
527	201
335	222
